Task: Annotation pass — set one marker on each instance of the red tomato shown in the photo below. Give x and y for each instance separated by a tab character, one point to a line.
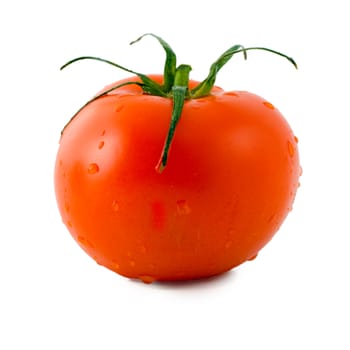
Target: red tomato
230	182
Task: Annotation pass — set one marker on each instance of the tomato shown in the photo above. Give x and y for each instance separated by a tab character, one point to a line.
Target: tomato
229	182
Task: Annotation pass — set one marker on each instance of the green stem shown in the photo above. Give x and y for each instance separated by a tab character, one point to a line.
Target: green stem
179	94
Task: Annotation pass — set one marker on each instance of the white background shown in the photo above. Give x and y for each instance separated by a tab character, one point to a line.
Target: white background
295	295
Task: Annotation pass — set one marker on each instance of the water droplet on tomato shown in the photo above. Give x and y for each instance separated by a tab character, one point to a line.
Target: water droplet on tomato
115	266
231	93
268	105
101	144
69	223
253	257
291	149
300	171
119	108
85	242
231	233
93	168
103	132
296	139
271	218
115	206
228	244
66	207
183	207
147	279
132	263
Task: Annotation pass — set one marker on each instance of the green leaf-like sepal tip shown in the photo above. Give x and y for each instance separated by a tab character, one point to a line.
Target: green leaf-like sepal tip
170	62
175	83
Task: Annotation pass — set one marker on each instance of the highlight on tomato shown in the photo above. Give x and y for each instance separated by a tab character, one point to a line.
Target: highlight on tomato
160	177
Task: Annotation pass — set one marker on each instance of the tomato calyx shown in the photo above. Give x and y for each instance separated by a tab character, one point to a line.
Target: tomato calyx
175	84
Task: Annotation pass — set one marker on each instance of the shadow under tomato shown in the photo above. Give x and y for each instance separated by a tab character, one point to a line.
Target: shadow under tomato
212	281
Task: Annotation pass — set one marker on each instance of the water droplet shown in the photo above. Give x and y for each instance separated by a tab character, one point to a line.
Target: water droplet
69	223
271	218
132	263
103	133
300	171
253	257
93	168
231	234
66	207
147	279
119	108
291	149
115	266
101	144
85	242
97	260
296	139
228	244
268	105
231	93
183	207
115	206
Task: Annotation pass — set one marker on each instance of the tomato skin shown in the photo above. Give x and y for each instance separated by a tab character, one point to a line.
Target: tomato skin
230	182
